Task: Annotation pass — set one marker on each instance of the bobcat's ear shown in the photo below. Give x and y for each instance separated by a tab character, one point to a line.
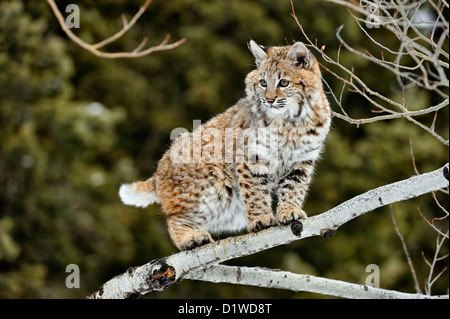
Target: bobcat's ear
300	55
257	51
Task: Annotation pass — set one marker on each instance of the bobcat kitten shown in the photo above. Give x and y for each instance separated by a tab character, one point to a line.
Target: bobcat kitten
220	177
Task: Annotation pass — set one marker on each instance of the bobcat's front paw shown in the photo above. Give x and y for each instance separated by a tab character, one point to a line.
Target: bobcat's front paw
195	239
261	222
287	214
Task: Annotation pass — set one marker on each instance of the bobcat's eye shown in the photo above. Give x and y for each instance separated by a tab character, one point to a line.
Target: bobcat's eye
283	83
263	83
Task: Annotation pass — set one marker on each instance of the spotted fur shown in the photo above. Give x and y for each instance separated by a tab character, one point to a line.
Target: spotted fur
220	177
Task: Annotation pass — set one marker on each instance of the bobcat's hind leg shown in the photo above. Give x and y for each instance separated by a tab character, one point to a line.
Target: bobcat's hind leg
187	235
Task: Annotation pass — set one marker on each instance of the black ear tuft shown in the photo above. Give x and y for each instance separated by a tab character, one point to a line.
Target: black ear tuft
265	48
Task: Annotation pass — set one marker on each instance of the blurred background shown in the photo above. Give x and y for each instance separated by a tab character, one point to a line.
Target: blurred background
74	126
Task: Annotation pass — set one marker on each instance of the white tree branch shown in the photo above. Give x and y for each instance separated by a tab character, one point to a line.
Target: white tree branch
160	274
269	278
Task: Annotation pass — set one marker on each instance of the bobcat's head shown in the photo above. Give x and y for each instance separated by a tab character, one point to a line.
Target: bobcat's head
286	82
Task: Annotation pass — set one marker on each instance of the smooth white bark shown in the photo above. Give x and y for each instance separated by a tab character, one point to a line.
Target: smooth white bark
269	278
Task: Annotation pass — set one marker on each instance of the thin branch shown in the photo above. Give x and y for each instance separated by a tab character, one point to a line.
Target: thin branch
441	207
269	278
94	48
405	249
161	274
430	281
126	26
412	157
396	115
432	224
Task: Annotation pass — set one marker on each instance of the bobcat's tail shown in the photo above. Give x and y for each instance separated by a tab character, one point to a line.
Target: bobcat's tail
140	194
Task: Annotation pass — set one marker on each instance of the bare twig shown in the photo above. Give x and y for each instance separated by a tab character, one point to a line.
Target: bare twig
95	48
432	224
405	249
412	157
430	280
395	115
126	26
446	214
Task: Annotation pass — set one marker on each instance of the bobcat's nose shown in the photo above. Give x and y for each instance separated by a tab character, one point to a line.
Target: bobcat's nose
269	100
